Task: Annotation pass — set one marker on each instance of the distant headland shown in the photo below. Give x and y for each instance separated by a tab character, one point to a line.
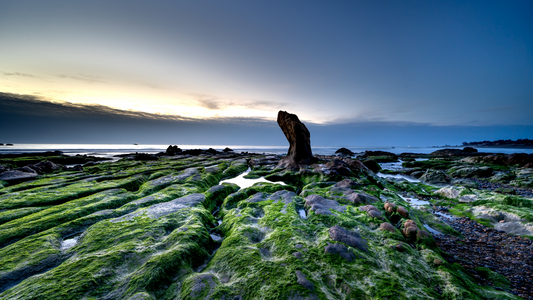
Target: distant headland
519	143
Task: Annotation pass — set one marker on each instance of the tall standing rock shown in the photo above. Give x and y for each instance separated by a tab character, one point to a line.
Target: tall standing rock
299	140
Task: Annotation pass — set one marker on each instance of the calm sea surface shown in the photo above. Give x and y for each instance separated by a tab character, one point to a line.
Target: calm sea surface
109	150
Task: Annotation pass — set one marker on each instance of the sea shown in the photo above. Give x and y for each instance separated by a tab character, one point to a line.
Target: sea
111	150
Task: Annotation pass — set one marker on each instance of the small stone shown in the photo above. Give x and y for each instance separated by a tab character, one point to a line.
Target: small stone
302	280
437	262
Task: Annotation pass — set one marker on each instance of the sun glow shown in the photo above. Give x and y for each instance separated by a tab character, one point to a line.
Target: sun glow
165	102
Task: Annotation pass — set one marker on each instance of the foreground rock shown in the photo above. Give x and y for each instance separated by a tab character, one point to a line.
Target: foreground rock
299	139
488	254
165	228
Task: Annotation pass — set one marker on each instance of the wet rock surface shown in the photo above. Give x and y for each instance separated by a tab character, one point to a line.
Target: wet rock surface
485	247
164	226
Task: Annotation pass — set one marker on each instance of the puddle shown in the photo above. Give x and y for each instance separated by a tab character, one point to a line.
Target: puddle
447	216
69	243
302	213
433	231
392	165
398	176
244	182
216	238
414	201
421	159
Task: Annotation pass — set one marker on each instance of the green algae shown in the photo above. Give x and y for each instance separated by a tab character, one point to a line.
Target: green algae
141	237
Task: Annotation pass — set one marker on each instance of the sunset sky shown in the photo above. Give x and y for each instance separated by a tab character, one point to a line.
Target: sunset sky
358	72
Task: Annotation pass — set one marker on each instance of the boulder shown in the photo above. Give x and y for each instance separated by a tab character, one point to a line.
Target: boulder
368	208
372	165
434	177
303	281
299	141
347	183
17	175
470	149
344	152
227	150
322	206
341	250
389	207
3	168
336	167
472	172
26	169
173	150
375	214
361	198
387	227
350	238
45	167
402	211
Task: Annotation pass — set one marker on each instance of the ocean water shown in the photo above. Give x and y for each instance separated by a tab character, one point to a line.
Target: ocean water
110	150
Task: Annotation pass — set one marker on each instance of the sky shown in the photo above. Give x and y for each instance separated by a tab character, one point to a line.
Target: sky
355	72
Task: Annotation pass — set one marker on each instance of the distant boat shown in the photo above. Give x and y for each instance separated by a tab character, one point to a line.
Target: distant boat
136	144
1	144
9	144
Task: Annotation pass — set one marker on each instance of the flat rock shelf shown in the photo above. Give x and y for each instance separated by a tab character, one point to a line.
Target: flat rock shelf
178	227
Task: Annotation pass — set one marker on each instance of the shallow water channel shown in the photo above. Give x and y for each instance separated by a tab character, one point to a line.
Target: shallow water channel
245	182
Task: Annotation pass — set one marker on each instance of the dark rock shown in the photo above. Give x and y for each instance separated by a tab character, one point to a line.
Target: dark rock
344	152
355	165
361	198
173	150
299	139
336	167
45	167
382	156
302	280
347	183
434	177
372	165
17	175
350	238
77	168
341	250
322	206
470	149
26	169
298	255
472	172
451	152
227	150
417	174
3	168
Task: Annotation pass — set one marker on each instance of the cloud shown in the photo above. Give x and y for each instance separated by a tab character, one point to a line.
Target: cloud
83	78
208	102
18	74
219	103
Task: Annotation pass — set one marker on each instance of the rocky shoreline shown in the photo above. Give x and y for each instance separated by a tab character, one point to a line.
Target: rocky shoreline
486	252
175	225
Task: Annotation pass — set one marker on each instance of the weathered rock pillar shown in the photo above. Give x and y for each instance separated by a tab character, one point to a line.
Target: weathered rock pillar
299	140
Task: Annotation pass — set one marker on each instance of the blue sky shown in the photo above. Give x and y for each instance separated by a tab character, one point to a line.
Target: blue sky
397	72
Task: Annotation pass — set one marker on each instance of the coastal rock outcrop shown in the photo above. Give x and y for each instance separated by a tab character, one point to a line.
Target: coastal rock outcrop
299	139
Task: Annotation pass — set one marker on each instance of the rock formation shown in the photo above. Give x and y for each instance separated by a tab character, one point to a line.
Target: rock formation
299	140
